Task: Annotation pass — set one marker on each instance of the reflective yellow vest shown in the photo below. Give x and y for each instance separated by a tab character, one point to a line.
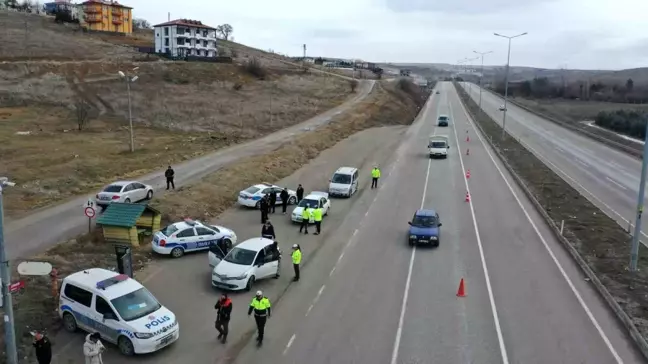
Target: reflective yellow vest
296	256
375	173
260	306
305	214
317	214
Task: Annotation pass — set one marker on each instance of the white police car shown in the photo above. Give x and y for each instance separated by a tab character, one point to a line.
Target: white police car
189	236
252	195
119	308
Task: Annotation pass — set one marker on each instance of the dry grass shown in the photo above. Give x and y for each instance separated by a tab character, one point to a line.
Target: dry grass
573	110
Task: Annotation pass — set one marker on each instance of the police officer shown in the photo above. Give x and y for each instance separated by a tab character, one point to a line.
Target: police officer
284	200
261	307
311	215
263	206
300	192
267	231
317	216
375	175
305	217
296	259
277	252
169	174
224	311
272	199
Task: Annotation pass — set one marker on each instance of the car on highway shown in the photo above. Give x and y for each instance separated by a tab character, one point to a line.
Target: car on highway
438	146
438	92
189	236
119	308
344	182
248	262
502	108
314	199
425	228
443	120
123	191
251	196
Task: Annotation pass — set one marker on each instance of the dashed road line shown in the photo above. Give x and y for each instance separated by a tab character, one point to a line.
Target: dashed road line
290	342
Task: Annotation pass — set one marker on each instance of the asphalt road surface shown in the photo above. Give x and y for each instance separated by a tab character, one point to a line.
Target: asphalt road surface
607	177
43	228
384	302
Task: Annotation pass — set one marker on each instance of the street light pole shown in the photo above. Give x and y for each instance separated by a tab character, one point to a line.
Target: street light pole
5	275
481	76
130	79
634	250
508	61
471	69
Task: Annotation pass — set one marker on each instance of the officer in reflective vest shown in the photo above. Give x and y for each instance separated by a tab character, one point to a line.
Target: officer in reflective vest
260	305
317	216
296	259
375	174
305	217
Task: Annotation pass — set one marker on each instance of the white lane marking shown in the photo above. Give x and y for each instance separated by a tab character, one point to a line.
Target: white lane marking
615	183
319	294
367	213
309	310
548	248
491	296
332	271
290	342
559	149
581	162
355	232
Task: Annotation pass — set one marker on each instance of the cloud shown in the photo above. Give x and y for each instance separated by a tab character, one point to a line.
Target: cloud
459	6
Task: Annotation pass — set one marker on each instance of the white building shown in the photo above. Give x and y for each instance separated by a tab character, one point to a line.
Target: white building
184	37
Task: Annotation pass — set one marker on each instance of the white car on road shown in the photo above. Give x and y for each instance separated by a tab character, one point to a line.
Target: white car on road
123	191
245	264
314	199
189	236
252	195
502	108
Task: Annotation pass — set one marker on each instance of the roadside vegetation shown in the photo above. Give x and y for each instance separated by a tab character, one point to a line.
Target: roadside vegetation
628	122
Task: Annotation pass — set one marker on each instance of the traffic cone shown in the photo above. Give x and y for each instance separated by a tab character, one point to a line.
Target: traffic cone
467	196
468	151
467	138
468	174
461	292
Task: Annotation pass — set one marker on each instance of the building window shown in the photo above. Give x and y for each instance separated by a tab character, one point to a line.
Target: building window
166	42
166	31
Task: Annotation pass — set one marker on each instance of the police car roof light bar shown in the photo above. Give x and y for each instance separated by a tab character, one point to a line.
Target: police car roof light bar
189	221
111	281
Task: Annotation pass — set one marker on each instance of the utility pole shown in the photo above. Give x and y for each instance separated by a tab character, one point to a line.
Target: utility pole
508	61
5	275
130	79
481	76
634	250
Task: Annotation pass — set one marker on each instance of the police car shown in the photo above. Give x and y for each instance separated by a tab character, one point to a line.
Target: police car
314	199
119	308
189	236
251	196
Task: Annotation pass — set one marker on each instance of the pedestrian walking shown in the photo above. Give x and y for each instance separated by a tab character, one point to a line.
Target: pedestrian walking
92	349
375	175
284	199
272	198
300	193
267	231
169	174
277	253
263	206
296	259
43	348
305	217
317	216
223	312
261	307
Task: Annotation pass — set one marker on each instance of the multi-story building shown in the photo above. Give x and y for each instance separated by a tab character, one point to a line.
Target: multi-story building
107	16
184	37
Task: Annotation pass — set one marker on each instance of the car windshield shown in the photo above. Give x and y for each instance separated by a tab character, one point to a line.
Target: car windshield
113	188
424	221
136	304
311	203
241	256
169	230
252	190
438	145
443	118
344	179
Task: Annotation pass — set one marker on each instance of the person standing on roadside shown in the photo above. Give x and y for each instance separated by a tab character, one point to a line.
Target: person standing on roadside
93	348
272	199
277	252
169	174
262	309
305	217
267	231
263	206
317	216
300	193
375	175
224	311
43	348
296	259
284	200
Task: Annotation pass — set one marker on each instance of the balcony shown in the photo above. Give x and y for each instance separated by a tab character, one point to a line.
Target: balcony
92	10
184	35
116	12
93	19
117	21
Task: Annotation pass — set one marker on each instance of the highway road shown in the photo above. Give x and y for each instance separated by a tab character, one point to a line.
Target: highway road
384	302
607	177
38	231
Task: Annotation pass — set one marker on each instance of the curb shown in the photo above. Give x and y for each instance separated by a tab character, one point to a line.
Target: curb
623	317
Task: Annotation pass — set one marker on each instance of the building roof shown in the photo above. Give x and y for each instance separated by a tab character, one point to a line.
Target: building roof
107	3
185	22
123	214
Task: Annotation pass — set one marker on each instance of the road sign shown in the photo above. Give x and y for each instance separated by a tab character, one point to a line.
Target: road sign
90	203
89	212
34	268
15	287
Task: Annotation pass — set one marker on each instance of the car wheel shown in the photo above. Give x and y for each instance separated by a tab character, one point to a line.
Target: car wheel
258	205
127	200
292	200
227	242
69	322
125	346
149	195
177	252
248	286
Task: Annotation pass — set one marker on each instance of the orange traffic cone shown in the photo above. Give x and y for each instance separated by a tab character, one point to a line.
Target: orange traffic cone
461	292
467	138
468	174
468	151
467	196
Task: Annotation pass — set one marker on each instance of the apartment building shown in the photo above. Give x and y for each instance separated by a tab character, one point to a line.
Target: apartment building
107	16
185	37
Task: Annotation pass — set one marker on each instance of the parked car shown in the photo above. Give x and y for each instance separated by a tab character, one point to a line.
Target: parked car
245	264
252	195
314	199
189	236
123	191
425	228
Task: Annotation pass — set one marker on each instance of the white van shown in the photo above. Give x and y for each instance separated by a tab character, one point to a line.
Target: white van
344	182
119	308
438	146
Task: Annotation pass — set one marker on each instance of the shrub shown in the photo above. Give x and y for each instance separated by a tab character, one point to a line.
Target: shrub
253	67
353	84
628	122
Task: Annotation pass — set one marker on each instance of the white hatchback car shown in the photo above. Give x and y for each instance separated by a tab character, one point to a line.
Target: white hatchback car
246	263
189	236
314	199
123	191
251	196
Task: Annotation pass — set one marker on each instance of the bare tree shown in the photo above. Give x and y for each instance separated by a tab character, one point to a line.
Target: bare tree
139	23
82	111
225	30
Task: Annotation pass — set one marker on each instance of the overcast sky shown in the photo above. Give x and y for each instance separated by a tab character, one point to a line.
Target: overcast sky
590	34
